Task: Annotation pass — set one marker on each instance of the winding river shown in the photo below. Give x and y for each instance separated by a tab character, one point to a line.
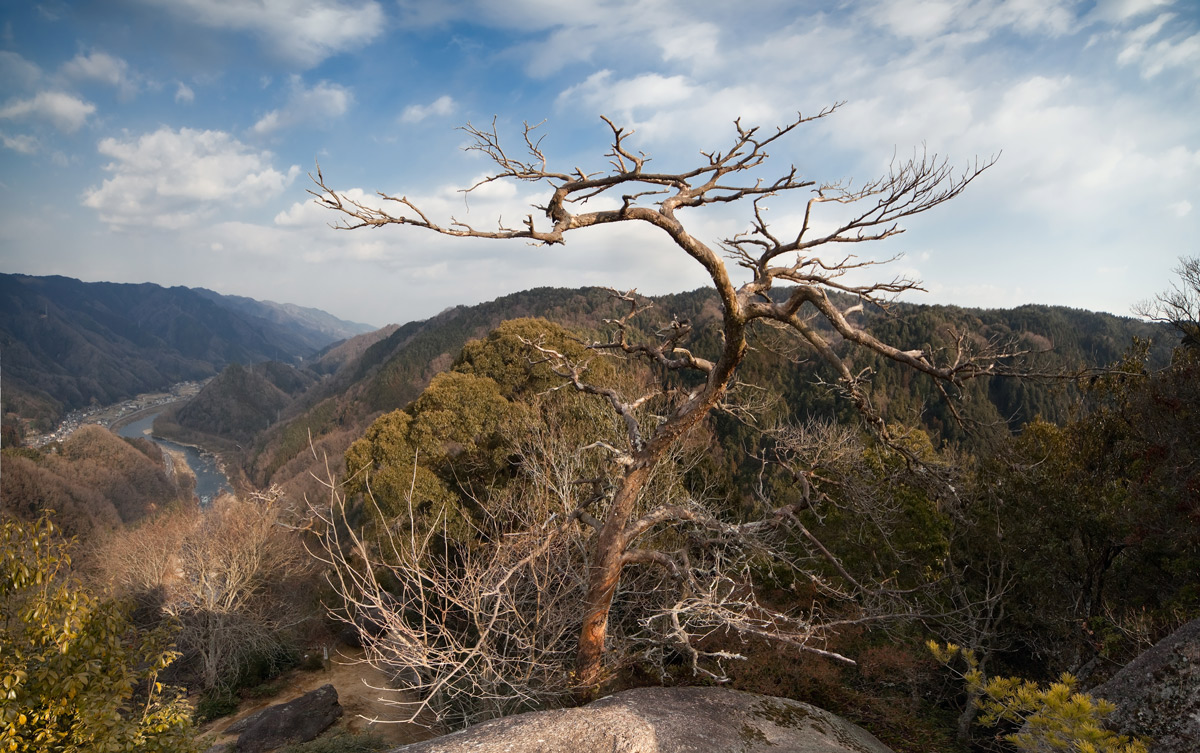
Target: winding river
210	481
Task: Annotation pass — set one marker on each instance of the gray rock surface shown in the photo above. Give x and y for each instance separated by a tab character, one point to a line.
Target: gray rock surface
1158	694
665	720
296	721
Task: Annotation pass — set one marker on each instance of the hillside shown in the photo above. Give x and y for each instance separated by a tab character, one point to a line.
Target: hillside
68	344
392	372
95	481
236	405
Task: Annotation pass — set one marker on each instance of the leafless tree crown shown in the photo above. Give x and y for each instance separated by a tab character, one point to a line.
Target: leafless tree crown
911	187
1179	306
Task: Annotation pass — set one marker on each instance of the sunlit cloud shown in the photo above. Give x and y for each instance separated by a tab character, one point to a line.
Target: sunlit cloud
303	32
442	106
106	69
21	143
177	178
18	72
66	112
318	105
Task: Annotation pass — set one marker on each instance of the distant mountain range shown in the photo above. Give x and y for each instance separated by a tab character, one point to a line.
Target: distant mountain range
65	344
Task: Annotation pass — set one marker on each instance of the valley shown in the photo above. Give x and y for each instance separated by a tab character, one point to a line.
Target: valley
117	415
208	470
456	433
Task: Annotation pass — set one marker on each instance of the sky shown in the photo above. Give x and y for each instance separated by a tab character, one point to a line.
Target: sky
171	141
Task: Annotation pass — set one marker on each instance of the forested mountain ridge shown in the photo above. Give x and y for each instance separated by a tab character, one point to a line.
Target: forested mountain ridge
93	482
1089	522
68	343
235	405
393	371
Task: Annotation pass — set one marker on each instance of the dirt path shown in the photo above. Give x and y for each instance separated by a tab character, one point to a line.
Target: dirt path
362	703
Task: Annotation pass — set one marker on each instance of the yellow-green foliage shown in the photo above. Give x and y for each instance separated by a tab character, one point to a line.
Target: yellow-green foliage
74	674
434	465
1052	718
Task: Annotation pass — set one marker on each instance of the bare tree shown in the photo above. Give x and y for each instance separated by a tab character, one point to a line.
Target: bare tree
624	530
224	574
1179	306
230	597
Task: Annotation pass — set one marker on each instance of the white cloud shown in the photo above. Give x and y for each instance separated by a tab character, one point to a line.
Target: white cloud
318	105
1123	10
1159	45
22	144
67	112
1183	54
697	43
920	19
184	94
971	21
52	10
173	179
1180	208
442	106
18	72
609	31
303	32
106	69
672	109
1135	41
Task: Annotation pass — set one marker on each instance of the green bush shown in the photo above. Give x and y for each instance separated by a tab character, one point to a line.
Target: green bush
216	703
75	673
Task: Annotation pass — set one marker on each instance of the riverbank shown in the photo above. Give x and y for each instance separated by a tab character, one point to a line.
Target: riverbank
120	423
206	467
117	415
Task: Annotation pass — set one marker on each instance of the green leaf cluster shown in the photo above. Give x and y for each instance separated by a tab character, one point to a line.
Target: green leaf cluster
75	674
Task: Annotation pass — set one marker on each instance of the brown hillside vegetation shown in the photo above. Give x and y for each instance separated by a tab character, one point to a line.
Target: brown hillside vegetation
96	481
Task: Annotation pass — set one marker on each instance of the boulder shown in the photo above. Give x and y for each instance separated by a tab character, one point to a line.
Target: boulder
1157	695
664	720
296	721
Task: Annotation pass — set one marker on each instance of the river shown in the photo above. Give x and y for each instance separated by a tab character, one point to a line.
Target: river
210	481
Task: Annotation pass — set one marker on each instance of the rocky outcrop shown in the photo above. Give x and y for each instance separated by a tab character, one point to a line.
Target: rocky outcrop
665	720
1158	694
296	721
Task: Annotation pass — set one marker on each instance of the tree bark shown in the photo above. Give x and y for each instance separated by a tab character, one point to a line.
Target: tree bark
604	574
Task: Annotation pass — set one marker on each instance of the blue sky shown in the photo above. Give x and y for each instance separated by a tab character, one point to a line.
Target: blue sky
169	141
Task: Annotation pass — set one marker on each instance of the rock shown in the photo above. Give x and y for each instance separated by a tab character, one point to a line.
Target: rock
1157	695
296	721
665	720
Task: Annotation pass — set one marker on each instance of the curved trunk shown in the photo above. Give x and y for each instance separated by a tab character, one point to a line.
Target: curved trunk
604	574
604	570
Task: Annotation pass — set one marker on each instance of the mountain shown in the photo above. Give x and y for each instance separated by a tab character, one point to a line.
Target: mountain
313	326
66	344
95	481
334	357
393	371
237	404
